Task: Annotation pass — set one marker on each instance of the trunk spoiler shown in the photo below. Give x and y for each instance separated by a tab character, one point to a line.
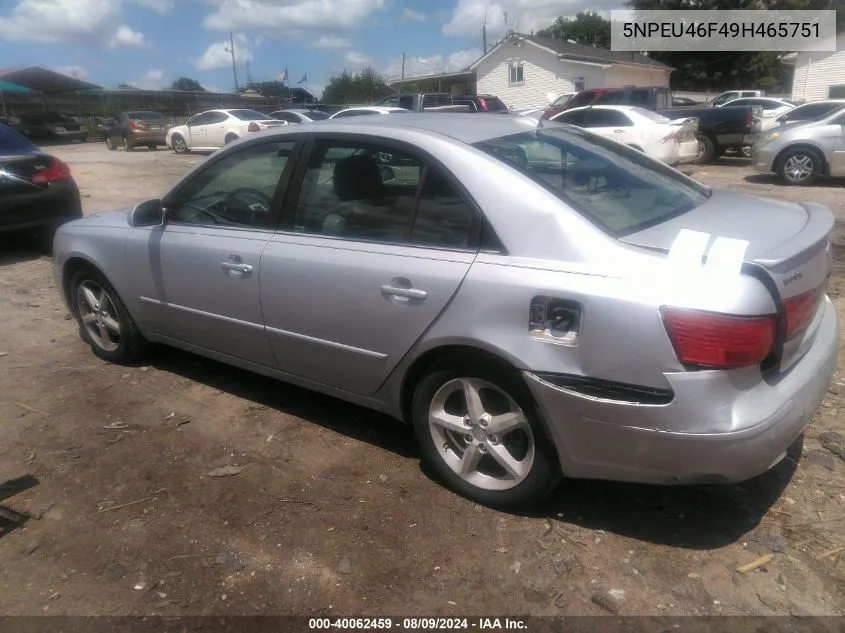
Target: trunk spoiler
802	246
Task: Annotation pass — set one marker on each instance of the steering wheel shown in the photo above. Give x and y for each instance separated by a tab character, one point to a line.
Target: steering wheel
245	193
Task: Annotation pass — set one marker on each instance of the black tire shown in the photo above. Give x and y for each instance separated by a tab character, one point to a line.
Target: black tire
544	474
110	144
152	147
127	146
230	138
706	150
810	162
180	146
131	344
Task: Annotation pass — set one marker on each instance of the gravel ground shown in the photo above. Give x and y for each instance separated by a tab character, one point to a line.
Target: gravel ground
330	510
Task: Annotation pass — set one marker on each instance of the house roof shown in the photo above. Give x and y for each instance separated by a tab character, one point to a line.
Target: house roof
43	80
462	74
578	52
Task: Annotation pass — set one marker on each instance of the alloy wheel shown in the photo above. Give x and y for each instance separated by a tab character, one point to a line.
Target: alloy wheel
179	144
799	167
481	434
98	315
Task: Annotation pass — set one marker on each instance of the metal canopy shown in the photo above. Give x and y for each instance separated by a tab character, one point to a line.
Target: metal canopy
7	86
44	81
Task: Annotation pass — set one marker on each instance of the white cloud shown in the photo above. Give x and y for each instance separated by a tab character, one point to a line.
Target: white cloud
153	79
431	65
409	15
126	37
357	60
468	16
80	72
217	55
332	42
51	21
292	17
159	6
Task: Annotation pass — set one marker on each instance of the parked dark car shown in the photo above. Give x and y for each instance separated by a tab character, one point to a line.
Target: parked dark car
136	128
52	126
578	100
104	125
37	192
719	129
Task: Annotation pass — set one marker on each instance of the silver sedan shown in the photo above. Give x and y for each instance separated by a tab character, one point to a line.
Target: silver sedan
800	153
532	299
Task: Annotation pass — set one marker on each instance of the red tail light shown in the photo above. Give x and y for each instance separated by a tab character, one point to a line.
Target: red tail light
482	104
717	340
749	118
56	171
672	137
253	127
135	125
799	312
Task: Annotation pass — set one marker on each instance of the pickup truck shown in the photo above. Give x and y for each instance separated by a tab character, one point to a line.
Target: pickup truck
719	129
445	102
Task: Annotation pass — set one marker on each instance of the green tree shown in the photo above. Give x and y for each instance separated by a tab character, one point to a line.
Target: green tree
126	87
187	84
587	28
269	88
716	71
365	86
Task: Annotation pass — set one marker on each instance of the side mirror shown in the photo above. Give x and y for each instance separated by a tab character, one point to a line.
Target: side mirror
387	173
149	213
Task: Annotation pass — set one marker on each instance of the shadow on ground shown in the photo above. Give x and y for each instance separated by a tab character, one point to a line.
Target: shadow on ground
10	519
773	179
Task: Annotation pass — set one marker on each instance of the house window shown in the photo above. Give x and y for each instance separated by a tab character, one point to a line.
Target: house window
517	76
578	84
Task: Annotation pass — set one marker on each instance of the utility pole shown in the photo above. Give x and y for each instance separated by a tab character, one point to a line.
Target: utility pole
484	37
403	65
231	50
248	75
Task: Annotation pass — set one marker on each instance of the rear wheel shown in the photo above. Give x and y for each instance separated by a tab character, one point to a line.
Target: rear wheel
800	166
152	147
104	322
479	432
179	144
706	150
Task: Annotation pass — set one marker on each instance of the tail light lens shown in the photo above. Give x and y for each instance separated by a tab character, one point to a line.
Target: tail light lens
56	171
482	104
253	127
137	125
749	118
673	137
717	340
799	312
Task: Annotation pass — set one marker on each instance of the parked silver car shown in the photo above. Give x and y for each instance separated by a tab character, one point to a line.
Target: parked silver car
800	153
529	296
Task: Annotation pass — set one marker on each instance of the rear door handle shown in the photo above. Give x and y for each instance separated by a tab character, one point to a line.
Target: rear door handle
407	293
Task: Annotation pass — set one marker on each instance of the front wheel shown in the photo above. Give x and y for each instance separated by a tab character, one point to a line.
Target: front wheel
479	432
110	144
706	150
800	167
179	144
104	322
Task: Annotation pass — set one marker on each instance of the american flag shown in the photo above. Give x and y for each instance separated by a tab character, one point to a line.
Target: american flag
284	75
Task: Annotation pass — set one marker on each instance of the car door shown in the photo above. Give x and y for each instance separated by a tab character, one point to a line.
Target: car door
613	125
197	275
196	130
216	128
834	145
367	259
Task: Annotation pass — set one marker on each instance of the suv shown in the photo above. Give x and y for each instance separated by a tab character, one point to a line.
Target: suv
138	128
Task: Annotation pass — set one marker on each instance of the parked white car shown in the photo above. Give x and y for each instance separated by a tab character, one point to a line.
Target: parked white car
213	129
772	109
299	115
367	110
670	141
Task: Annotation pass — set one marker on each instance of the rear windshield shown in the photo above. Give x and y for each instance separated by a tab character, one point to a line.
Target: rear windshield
316	115
11	142
616	187
145	116
248	115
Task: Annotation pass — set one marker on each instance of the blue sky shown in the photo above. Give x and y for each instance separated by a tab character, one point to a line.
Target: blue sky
149	43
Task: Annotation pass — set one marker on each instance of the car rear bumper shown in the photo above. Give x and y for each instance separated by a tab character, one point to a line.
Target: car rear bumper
45	208
141	137
604	439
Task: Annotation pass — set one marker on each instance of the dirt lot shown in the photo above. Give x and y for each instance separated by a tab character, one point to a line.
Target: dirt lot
332	512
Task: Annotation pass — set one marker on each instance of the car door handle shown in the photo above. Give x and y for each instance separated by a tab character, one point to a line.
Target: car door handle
237	267
407	293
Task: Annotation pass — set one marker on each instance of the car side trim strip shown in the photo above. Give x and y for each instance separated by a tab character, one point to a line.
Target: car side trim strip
601	389
210	315
320	341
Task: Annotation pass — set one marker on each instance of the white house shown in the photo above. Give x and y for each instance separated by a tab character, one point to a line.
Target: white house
522	70
819	75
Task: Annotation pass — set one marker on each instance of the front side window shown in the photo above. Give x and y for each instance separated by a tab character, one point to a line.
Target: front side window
378	194
517	74
617	188
236	191
606	118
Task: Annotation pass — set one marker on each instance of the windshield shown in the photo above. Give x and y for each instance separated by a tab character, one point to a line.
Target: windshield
13	143
561	100
145	116
316	115
249	115
616	187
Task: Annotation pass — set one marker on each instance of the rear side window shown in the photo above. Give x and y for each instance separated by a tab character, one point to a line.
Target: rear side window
617	188
606	118
13	143
582	99
813	111
573	117
610	98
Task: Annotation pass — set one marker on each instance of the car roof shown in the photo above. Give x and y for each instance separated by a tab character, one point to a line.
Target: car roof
464	127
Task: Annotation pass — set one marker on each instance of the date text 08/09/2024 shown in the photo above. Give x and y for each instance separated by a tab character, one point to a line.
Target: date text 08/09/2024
417	624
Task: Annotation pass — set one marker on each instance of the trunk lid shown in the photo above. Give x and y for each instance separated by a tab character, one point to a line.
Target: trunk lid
787	242
688	128
16	173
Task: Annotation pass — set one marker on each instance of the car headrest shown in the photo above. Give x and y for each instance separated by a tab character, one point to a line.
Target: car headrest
357	178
